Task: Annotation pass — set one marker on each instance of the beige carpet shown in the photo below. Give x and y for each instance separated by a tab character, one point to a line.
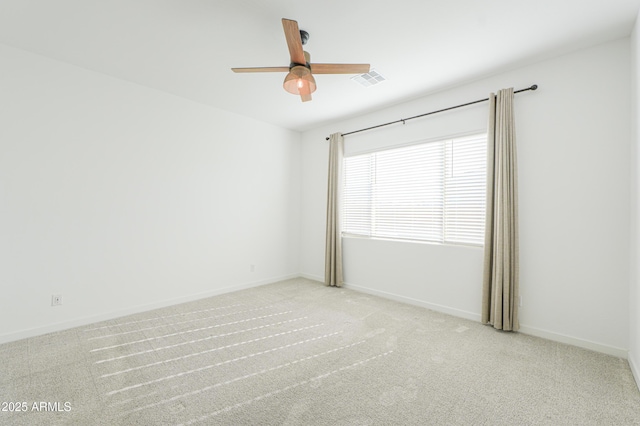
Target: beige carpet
299	353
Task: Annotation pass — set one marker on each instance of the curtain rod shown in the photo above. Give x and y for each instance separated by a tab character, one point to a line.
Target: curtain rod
533	87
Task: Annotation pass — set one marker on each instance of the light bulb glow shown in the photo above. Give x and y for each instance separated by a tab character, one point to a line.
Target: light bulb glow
299	81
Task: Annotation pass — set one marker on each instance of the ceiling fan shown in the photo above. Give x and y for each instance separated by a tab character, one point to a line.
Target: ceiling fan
299	80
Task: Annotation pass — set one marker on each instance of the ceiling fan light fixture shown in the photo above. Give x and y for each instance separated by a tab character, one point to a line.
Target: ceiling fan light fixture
299	81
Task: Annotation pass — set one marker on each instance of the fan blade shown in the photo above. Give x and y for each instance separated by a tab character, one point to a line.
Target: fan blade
305	91
294	42
340	68
261	69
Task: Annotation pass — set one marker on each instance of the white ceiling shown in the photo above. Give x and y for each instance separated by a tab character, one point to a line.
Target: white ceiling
187	47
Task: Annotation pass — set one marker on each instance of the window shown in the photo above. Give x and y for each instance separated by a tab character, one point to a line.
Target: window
433	191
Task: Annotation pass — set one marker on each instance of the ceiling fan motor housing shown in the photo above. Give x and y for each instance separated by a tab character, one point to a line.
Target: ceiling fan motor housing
304	37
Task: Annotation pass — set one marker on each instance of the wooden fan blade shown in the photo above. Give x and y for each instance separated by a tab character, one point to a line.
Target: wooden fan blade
261	69
305	92
294	42
339	68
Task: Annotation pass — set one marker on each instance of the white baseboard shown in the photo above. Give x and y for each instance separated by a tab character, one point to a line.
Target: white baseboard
635	368
312	277
78	322
556	337
574	341
411	301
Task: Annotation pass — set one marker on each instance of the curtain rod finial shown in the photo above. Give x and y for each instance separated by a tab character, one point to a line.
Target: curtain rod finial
534	87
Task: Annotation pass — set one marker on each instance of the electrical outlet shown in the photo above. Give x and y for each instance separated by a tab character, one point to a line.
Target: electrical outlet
56	300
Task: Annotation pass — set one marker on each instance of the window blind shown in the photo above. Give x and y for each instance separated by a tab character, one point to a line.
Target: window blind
432	191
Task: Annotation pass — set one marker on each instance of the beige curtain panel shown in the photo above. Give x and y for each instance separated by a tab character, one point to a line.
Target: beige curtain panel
501	252
333	250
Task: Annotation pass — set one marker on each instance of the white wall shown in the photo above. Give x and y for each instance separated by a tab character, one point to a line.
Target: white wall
634	306
573	140
122	198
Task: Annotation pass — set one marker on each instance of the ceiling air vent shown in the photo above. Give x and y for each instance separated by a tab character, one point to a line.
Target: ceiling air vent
369	79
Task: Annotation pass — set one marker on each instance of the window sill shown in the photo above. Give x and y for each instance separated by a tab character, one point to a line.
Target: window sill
401	240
